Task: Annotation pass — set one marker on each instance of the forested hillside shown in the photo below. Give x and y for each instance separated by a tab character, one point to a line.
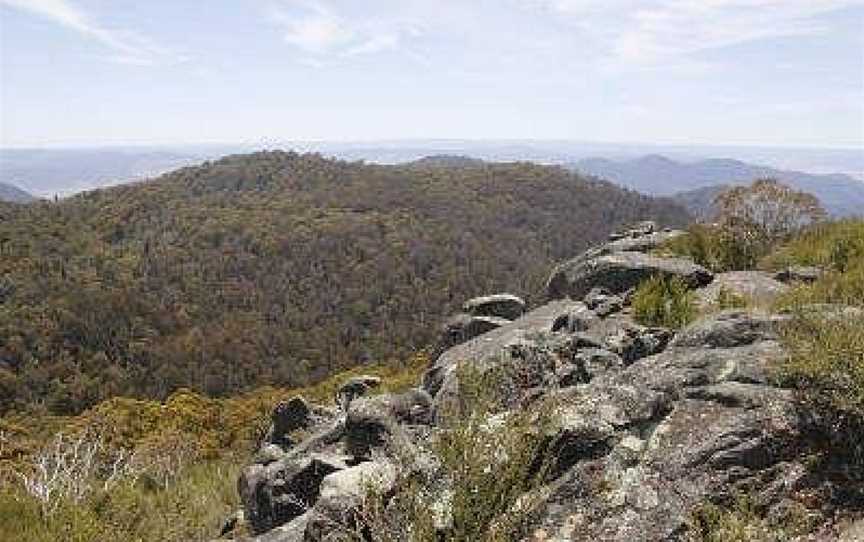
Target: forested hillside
273	268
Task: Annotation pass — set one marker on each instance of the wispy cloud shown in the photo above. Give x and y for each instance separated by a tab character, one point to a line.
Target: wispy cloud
319	30
126	47
647	32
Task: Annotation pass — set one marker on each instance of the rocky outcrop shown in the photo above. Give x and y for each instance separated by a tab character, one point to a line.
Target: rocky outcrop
621	264
648	424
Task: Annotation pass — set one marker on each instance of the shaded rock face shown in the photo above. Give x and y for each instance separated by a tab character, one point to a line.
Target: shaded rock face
278	493
506	306
464	327
355	387
648	424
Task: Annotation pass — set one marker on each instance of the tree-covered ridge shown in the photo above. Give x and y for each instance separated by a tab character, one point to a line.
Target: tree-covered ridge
273	268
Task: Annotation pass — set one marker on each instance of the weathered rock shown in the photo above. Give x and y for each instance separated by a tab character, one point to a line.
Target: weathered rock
752	287
490	346
355	387
798	273
288	416
641	243
275	494
342	495
293	531
729	328
505	306
579	319
602	302
643	447
376	423
620	272
269	453
597	361
635	342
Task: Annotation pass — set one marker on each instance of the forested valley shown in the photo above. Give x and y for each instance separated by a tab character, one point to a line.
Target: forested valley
274	268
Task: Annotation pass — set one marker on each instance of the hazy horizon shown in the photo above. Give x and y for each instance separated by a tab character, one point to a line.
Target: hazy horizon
748	73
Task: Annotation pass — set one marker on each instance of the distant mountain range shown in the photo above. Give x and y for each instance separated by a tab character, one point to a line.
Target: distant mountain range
49	172
13	194
66	171
842	195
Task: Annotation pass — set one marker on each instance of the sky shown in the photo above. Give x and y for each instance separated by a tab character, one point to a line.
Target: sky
743	72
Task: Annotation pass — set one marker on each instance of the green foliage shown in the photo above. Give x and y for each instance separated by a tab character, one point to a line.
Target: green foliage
273	269
837	248
192	508
826	346
664	301
189	449
715	247
750	222
826	366
489	462
829	245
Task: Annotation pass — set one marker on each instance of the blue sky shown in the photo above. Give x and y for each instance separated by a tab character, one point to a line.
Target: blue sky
98	72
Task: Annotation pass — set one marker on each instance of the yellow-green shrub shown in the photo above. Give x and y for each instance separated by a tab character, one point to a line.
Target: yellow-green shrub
664	301
742	522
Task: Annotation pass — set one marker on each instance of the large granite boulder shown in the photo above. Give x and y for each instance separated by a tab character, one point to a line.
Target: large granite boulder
619	272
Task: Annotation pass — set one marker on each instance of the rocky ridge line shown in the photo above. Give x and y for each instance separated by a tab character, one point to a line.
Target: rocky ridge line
650	424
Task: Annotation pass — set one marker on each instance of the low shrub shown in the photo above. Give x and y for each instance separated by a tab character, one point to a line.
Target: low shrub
828	245
742	522
664	301
729	299
191	508
488	461
826	367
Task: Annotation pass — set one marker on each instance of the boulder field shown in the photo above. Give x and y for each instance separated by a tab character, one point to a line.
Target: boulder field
649	425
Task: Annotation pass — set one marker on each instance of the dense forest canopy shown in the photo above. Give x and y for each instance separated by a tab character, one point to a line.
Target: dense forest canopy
273	268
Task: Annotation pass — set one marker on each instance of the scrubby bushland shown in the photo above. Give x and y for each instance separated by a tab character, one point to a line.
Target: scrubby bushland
826	346
139	470
273	269
826	365
664	301
750	222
